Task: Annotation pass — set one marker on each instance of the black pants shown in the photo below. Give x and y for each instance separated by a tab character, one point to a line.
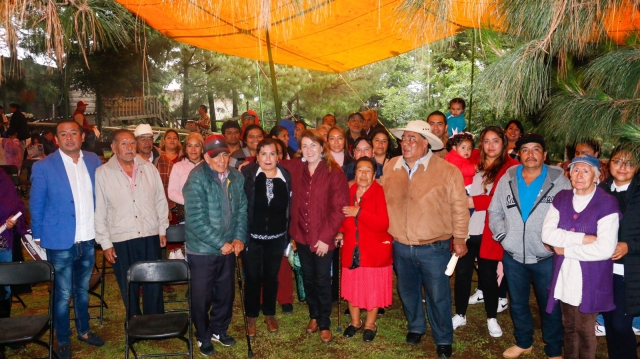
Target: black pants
486	275
129	252
621	341
316	275
261	262
212	293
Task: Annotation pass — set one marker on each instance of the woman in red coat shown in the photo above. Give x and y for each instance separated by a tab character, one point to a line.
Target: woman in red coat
368	286
494	162
320	191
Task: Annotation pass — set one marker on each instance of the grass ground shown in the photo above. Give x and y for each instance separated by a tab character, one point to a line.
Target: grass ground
471	341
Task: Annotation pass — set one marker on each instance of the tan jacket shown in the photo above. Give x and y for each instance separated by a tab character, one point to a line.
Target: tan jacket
121	214
429	207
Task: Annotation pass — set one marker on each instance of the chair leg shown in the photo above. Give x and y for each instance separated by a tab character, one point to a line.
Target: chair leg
24	306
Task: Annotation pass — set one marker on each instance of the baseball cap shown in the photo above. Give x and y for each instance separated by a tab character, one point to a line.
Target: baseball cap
215	144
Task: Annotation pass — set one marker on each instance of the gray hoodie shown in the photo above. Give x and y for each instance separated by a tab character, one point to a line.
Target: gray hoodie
523	240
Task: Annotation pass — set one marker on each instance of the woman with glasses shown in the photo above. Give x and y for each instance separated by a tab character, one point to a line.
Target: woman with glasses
624	185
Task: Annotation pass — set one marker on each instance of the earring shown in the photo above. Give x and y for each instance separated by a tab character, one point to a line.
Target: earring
303	159
322	156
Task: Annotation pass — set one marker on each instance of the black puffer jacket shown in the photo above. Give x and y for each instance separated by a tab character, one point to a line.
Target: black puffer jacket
249	172
629	233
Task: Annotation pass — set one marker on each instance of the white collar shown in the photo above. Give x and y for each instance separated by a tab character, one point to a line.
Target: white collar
278	174
622	188
401	163
68	158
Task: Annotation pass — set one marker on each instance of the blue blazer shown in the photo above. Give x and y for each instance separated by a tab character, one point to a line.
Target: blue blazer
53	212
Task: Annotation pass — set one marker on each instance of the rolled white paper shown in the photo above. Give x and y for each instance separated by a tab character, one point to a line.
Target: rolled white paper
452	265
4	226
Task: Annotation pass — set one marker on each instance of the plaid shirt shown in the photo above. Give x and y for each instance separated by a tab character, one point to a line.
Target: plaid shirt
164	168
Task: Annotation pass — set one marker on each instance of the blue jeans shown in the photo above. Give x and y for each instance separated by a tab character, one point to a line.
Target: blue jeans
6	256
73	270
424	266
519	276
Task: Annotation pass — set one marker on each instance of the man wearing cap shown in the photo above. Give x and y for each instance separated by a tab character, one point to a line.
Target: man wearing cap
144	143
131	218
81	119
428	209
516	214
216	228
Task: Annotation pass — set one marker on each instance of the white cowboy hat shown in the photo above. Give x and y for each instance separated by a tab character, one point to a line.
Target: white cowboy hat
143	129
423	128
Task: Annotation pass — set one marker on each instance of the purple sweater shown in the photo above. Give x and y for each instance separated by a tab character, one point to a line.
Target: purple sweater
597	276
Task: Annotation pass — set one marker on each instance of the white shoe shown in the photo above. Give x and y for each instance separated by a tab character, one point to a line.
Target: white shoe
476	298
600	332
494	328
177	254
172	255
636	331
458	320
503	304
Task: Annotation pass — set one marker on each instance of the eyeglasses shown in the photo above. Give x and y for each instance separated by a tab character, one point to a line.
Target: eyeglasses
621	163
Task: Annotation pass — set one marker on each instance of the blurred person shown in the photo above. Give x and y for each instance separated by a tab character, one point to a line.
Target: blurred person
514	130
193	149
231	132
381	140
323	130
591	146
329	120
582	229
65	228
203	124
281	133
216	230
354	124
170	155
267	186
301	126
18	122
90	131
369	285
13	149
253	134
48	142
455	117
362	148
438	122
370	121
247	119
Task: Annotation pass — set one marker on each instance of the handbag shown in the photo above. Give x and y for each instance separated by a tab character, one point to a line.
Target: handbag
355	260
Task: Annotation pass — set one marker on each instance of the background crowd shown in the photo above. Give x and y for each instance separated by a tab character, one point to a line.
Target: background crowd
354	209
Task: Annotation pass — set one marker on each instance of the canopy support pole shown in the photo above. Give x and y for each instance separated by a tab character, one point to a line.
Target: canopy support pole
473	66
274	85
259	89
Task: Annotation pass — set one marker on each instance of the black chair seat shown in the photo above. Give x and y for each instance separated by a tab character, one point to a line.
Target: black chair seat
23	329
158	326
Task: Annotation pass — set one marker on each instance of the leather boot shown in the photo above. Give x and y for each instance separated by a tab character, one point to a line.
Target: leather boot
272	325
312	327
326	336
251	327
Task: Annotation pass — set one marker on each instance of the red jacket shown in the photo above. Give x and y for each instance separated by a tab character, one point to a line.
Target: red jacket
465	165
489	248
373	223
329	193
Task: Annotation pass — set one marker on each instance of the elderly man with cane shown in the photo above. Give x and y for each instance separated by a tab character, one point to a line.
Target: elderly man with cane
216	228
428	209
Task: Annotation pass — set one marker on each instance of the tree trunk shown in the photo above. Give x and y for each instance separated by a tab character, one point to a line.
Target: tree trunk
212	109
235	100
185	90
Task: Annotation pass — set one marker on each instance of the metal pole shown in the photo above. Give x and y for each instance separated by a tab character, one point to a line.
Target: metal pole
274	85
259	90
473	59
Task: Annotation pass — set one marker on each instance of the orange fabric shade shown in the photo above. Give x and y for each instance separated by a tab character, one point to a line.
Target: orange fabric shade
325	35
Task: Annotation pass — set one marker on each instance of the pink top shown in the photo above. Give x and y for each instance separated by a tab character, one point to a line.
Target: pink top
12	152
132	178
177	179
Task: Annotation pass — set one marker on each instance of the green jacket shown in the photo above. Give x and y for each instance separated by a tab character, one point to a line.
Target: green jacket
209	223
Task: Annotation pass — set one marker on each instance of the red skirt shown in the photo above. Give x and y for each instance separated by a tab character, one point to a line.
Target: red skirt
367	287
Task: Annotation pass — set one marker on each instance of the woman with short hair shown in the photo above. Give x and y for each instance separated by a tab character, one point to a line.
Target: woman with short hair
320	191
582	228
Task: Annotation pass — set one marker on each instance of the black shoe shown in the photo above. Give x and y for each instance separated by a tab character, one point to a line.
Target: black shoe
414	338
287	309
92	339
206	348
347	312
444	351
224	339
64	351
350	331
369	335
380	312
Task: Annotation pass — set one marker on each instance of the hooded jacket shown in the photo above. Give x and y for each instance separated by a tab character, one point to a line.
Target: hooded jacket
523	240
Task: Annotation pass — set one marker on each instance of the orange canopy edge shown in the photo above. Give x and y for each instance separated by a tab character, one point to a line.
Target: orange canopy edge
324	35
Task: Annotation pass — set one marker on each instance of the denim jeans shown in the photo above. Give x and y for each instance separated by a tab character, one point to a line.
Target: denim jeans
520	276
424	266
73	270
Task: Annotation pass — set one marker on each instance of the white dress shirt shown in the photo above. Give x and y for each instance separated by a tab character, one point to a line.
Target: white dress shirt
82	190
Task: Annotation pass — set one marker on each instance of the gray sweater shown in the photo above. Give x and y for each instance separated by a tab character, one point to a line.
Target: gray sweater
523	240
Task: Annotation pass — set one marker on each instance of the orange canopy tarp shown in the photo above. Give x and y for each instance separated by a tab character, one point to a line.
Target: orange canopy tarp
325	35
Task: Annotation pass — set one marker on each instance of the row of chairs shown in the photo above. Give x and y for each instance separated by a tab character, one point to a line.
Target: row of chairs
172	324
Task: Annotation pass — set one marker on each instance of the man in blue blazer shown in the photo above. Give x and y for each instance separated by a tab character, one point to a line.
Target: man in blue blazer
62	205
